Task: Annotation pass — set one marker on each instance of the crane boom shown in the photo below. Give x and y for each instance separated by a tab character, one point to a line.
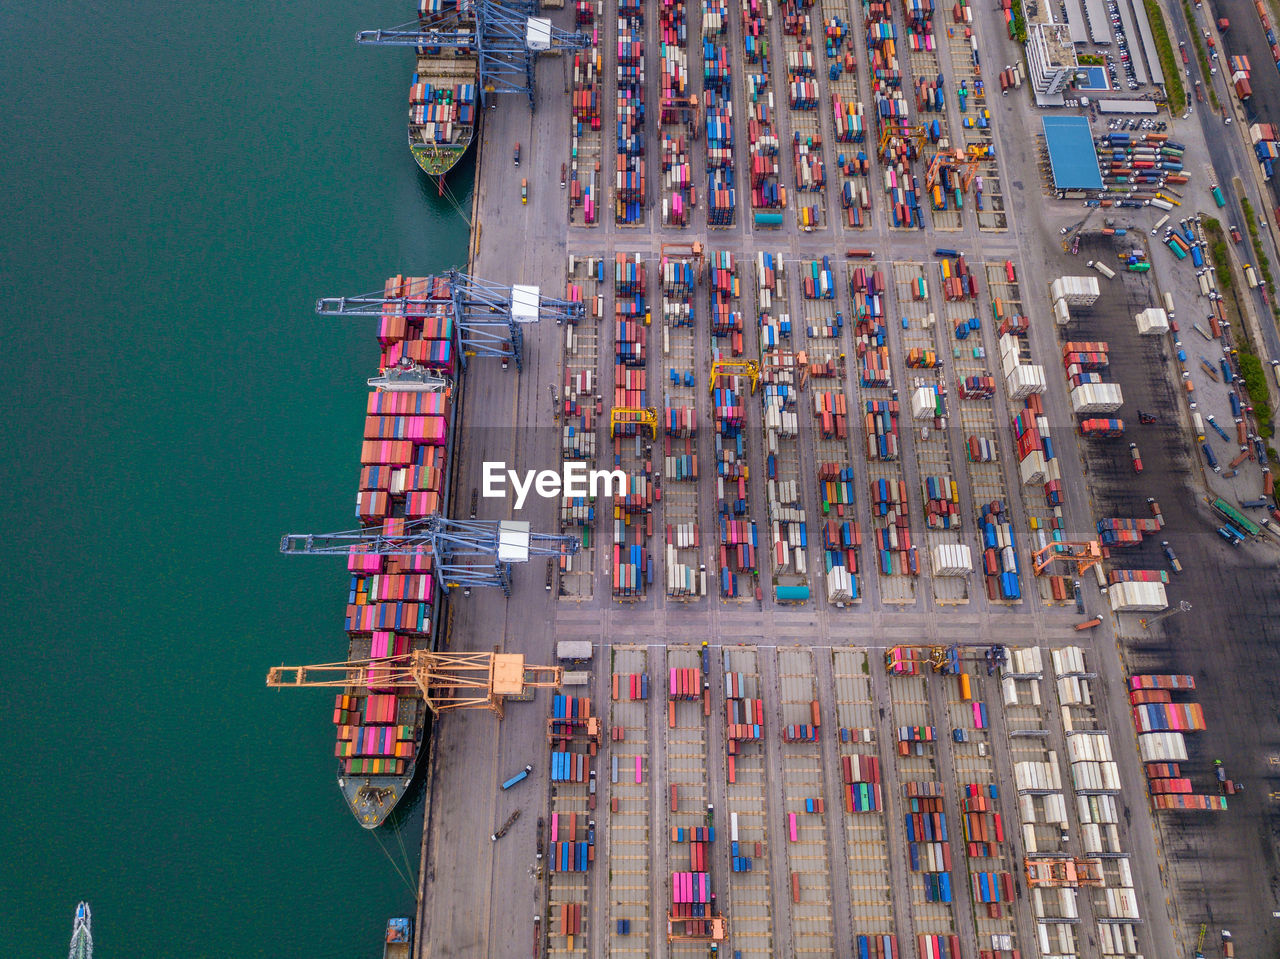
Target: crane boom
506	38
446	680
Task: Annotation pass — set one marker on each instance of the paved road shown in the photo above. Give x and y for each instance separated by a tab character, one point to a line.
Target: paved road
1229	155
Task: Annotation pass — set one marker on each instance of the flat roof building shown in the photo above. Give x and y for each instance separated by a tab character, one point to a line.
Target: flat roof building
1051	58
1071	153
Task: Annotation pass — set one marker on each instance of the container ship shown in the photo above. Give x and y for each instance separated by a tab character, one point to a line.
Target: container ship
393	602
444	95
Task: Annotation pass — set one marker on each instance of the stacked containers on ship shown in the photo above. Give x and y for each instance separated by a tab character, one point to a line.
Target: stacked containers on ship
403	468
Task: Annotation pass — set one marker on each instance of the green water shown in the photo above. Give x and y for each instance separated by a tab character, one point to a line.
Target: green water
179	184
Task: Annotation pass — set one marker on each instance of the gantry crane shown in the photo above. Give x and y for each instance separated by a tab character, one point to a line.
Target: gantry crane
1063	871
915	137
689	107
506	37
1091	556
748	368
446	680
688	251
645	417
964	165
487	317
465	553
711	929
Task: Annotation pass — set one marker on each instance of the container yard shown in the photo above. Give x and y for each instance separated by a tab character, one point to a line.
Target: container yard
838	696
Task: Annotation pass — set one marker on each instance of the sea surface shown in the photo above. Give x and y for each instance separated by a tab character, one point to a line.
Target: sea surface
179	184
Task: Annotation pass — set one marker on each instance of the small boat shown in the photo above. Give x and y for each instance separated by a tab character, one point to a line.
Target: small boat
399	944
82	933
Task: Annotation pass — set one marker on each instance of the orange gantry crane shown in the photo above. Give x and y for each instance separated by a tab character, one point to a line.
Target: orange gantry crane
446	680
686	929
686	251
965	165
1063	871
1083	554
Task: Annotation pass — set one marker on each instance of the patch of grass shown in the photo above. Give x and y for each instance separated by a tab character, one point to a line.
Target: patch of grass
1218	249
1263	263
1176	93
1018	26
1251	369
1255	383
1090	60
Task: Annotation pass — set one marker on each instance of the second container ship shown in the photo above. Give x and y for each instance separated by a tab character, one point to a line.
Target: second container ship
444	95
393	602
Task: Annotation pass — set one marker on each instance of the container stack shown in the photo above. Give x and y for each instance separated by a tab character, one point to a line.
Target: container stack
436	112
685	684
881	423
941	502
1084	363
810	170
371	740
717	75
584	98
905	661
676	115
849	120
633	516
767	192
679	429
420	327
1140	597
861	784
690	894
1116	532
1158	720
726	319
744	716
982	824
1263	136
787	519
1240	76
958	281
999	553
738	536
840	542
870	337
928	847
630	687
876	947
1068	293
630	187
569	850
952	560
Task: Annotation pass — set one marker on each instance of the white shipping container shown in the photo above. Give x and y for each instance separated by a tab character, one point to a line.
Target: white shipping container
1097	398
1137	597
1162	747
1152	322
952	560
1024	380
